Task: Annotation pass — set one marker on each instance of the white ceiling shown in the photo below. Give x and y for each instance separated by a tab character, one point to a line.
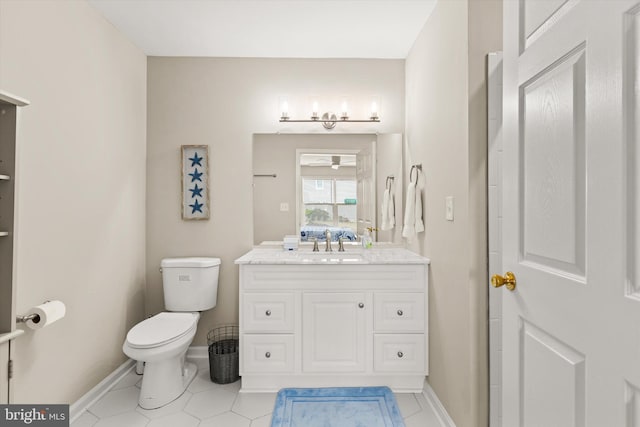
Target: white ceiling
270	28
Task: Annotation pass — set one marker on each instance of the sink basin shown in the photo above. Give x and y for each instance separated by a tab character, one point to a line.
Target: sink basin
330	258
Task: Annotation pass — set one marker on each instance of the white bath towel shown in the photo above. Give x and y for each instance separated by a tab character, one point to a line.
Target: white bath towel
388	210
413	223
409	229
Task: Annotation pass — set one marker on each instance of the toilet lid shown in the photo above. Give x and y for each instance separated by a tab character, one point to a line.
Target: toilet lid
160	329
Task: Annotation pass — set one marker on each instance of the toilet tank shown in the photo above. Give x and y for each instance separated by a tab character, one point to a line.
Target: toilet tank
190	284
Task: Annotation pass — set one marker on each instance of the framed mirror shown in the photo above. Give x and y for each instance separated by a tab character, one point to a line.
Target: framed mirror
304	184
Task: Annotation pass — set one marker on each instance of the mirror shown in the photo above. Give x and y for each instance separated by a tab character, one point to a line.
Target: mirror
304	184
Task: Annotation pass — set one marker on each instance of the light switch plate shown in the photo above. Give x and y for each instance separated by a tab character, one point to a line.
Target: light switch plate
284	207
448	208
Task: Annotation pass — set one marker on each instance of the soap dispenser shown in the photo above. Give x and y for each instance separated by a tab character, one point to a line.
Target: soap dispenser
367	240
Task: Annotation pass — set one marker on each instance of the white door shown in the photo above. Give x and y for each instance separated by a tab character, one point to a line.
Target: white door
571	328
334	332
366	191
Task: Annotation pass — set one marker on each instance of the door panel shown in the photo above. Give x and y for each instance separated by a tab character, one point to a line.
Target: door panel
553	165
632	403
632	103
537	13
553	379
571	328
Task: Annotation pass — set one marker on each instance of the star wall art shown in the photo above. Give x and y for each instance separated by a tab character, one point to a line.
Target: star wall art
195	182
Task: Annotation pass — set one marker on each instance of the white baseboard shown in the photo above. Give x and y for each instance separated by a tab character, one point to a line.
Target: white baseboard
198	352
76	409
436	405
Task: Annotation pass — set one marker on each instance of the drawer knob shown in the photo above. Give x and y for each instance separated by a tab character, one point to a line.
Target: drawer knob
400	313
400	354
267	355
361	305
268	312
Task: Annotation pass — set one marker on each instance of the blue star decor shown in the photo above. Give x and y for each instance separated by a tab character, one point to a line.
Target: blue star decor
195	182
196	207
196	176
195	160
195	191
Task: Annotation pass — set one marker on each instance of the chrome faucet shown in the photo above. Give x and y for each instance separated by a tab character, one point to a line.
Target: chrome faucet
327	236
340	244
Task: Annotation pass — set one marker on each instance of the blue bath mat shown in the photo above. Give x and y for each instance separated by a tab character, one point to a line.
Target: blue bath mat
336	407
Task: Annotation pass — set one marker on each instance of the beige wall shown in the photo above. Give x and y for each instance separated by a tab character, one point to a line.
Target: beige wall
446	132
222	102
81	191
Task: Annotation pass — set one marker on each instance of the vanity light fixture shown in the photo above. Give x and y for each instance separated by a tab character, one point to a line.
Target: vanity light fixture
329	119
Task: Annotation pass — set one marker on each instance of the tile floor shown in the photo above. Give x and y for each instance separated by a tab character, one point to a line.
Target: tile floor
206	404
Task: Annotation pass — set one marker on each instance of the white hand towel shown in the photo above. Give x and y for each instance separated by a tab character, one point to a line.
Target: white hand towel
392	210
419	224
388	211
409	229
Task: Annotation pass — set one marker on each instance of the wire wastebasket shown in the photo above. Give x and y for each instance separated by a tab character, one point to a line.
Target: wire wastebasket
223	354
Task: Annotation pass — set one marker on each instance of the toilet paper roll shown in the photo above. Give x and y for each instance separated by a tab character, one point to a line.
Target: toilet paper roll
49	312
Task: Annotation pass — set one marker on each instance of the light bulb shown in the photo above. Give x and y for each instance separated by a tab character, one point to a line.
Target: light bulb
345	113
374	110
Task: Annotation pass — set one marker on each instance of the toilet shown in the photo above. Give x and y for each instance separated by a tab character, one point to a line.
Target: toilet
190	285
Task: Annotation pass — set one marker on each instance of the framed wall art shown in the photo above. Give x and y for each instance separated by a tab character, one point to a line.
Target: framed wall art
195	182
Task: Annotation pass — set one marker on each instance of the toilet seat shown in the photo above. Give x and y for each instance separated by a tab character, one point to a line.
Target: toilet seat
161	329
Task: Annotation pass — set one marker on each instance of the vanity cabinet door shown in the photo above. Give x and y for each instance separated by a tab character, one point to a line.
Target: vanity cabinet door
334	332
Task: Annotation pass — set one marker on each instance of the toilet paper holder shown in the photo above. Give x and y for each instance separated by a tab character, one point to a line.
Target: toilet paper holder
33	316
26	318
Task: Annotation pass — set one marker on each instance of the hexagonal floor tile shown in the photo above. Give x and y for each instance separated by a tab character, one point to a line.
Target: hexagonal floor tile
232	387
87	419
179	419
422	419
262	421
209	403
171	408
407	404
116	402
228	419
254	405
129	419
202	382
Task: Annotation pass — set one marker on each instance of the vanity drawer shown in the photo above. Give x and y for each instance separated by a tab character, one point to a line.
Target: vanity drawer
399	353
399	312
267	353
268	312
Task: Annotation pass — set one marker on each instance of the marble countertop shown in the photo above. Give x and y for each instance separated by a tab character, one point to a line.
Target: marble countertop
351	256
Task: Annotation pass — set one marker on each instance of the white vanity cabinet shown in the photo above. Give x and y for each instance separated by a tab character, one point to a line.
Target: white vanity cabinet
324	324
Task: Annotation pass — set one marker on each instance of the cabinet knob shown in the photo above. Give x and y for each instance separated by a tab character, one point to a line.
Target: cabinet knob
400	354
400	313
267	355
361	305
268	312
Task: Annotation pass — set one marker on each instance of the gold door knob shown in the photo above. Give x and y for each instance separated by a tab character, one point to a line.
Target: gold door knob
509	279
